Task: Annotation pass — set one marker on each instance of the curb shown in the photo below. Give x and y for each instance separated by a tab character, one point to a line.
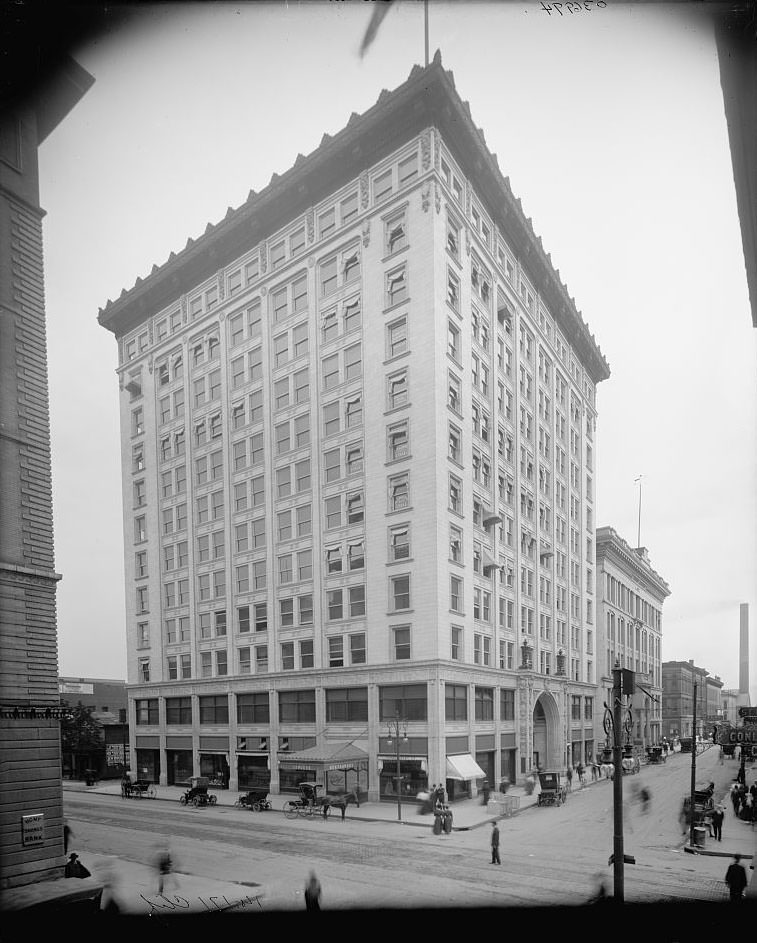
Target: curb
717	854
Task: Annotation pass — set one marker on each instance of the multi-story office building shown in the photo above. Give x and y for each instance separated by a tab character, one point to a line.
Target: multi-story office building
678	679
358	427
630	629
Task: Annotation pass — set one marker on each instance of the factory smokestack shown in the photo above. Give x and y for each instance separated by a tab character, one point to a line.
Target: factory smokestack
744	650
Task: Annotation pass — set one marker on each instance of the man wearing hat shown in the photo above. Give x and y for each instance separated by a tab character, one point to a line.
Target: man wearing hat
717	823
74	868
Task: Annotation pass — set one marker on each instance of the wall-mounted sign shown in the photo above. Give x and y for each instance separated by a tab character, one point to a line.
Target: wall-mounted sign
114	754
33	829
748	712
75	687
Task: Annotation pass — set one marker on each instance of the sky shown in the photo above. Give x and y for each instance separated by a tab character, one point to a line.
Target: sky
609	123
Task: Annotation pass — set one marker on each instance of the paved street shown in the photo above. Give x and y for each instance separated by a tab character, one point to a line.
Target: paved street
549	855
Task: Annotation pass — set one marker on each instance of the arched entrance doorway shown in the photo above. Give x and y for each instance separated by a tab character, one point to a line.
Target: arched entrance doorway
547	740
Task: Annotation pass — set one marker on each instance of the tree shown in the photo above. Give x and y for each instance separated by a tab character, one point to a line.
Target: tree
79	731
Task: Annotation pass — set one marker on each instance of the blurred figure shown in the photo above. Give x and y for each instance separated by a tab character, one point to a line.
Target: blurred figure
67	833
602	893
313	893
110	880
646	797
164	867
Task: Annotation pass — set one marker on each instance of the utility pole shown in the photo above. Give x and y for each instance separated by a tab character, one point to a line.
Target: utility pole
617	787
693	767
425	25
616	723
638	536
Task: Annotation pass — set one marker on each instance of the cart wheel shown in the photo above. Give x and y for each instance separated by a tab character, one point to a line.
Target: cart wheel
152	792
290	810
238	804
256	807
212	799
183	800
196	802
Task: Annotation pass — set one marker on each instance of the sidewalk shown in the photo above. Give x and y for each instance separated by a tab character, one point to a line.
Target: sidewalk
467	813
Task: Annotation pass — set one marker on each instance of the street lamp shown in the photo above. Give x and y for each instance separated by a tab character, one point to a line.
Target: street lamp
393	733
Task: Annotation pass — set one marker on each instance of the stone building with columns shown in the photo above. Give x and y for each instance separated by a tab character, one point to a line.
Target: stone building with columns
358	425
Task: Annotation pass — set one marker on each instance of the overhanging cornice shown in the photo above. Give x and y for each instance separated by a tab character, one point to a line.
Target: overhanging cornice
427	98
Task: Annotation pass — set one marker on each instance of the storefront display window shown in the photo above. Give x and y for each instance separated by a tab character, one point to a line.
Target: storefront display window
414	778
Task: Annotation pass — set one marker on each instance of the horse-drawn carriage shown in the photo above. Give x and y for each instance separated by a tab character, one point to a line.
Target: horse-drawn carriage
656	755
308	803
140	788
198	795
552	790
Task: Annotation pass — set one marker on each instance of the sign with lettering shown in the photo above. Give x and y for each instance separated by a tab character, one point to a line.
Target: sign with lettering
750	712
732	737
75	687
33	829
114	754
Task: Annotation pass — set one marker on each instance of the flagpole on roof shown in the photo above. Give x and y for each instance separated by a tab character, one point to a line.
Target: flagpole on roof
425	24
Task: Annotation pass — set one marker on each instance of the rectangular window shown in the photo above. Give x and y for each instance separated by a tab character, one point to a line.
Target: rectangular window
455	702
336	652
400	593
346	705
401	643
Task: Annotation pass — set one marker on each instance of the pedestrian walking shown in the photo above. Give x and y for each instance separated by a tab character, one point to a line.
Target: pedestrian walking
485	793
313	893
356	794
164	867
645	797
581	770
735	878
495	843
569	777
717	823
125	783
594	772
67	833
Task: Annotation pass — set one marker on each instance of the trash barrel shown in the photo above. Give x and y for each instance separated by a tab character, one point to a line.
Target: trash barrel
699	836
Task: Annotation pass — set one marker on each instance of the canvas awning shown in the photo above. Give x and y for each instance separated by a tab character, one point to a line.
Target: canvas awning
331	756
463	766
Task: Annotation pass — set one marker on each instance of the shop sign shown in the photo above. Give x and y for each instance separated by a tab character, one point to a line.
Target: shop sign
738	736
114	754
33	829
75	687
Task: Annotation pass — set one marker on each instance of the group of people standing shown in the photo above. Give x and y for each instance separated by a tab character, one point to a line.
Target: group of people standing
744	801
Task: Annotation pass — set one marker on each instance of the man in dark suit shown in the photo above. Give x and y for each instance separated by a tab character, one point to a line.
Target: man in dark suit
495	844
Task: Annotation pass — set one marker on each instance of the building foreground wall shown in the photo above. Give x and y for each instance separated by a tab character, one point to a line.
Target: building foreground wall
30	777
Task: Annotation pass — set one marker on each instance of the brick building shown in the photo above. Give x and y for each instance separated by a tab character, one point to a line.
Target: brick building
678	679
30	782
358	445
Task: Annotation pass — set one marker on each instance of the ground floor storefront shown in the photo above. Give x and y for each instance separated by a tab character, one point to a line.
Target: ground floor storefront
464	729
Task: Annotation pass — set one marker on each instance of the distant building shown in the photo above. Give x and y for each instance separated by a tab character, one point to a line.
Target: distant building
678	679
109	703
629	629
31	808
358	458
730	705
